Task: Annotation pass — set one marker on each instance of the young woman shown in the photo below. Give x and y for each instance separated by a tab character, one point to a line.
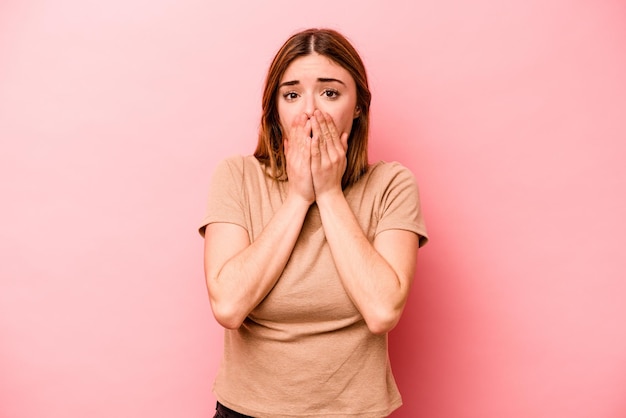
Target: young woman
309	250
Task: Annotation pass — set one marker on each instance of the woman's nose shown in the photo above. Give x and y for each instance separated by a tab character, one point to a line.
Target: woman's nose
310	106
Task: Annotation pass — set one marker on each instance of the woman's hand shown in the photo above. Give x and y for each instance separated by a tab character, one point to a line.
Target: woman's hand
328	155
298	156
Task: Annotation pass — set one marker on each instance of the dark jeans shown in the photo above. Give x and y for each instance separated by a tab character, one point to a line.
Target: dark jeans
222	412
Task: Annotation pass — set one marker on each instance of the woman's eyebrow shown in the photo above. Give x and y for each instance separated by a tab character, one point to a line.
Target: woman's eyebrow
330	80
319	80
289	83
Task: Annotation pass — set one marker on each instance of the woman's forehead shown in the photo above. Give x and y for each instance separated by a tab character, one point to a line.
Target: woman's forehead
314	66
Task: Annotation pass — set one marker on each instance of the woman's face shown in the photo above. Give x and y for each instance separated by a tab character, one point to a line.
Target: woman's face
316	82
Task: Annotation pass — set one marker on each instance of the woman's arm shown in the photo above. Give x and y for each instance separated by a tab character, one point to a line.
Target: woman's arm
239	274
378	276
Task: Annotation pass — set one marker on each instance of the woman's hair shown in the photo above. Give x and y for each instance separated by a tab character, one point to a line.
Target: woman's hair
335	46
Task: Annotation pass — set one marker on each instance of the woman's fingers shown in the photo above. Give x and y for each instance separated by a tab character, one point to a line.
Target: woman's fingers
316	155
318	141
328	125
336	144
322	127
297	140
297	128
328	156
344	142
330	134
300	140
297	145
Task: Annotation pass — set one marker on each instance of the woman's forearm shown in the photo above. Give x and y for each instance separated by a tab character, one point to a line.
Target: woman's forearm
240	274
378	285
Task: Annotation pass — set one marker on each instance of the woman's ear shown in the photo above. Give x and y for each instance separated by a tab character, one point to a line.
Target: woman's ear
357	112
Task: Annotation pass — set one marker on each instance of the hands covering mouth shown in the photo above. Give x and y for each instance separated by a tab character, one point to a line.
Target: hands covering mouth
316	156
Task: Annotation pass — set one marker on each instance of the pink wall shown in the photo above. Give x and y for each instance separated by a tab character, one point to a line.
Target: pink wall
511	114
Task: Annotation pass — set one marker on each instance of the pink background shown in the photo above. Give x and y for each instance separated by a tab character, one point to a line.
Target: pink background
511	114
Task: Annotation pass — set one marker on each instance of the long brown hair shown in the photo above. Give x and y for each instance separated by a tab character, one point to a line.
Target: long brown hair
335	46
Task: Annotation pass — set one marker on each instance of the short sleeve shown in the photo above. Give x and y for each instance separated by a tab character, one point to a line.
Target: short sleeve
400	206
225	201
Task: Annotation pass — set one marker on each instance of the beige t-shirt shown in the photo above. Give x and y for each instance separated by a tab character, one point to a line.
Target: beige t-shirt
305	350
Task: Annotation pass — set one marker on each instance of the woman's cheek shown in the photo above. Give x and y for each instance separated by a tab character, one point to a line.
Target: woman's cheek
343	124
286	123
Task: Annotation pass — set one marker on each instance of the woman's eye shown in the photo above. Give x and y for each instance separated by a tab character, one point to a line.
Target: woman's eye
331	94
290	95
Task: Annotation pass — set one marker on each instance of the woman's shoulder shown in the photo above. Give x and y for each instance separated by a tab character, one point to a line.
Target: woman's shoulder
387	170
241	164
387	165
239	160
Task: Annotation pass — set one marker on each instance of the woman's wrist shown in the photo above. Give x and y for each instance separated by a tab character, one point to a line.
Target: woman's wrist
329	197
298	202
